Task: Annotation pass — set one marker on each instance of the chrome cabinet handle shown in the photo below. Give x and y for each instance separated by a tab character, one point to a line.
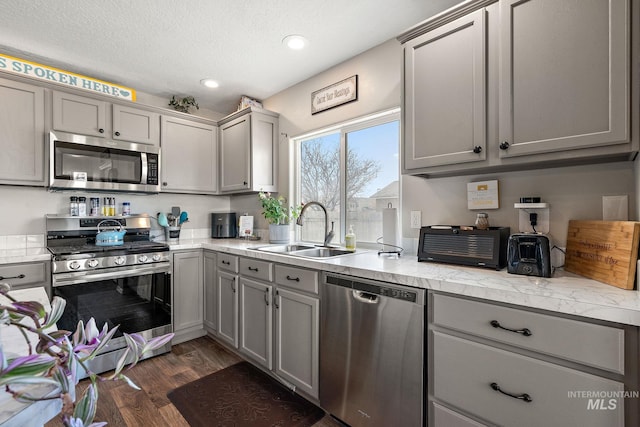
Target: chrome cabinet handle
19	276
524	331
524	396
293	279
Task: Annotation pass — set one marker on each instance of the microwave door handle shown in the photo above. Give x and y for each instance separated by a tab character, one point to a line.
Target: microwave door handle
143	159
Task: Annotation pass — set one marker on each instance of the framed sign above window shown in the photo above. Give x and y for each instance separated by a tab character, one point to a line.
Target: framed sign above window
336	94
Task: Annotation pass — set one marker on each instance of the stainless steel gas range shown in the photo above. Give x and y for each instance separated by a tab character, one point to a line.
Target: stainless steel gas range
126	282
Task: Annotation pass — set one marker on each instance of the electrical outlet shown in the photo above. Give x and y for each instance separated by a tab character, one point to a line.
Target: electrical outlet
416	219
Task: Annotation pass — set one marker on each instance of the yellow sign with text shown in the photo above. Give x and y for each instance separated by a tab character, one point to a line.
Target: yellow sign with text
34	70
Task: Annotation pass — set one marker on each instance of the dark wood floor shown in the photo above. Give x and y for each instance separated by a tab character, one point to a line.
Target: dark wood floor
120	405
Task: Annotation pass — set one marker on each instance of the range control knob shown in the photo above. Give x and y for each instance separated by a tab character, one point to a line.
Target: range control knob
74	265
156	257
119	260
143	258
93	263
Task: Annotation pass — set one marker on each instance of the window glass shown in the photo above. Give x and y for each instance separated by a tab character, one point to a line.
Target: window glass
354	172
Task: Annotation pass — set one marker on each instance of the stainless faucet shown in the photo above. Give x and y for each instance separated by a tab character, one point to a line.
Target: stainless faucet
328	234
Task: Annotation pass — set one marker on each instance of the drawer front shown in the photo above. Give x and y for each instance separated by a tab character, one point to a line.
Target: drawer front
445	417
464	372
297	278
227	262
25	275
594	345
262	270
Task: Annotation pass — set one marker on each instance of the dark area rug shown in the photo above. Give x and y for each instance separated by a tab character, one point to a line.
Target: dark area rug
242	395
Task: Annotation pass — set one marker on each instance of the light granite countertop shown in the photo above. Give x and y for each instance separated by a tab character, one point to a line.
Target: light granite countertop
564	292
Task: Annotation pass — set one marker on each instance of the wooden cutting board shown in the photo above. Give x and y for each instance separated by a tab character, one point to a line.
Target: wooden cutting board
606	251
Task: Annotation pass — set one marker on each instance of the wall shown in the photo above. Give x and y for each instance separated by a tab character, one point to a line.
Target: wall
24	208
573	192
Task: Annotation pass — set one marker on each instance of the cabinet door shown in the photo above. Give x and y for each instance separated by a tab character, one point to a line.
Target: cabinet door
135	125
21	133
564	75
187	290
235	152
228	307
256	327
264	152
445	95
297	338
189	156
77	114
210	297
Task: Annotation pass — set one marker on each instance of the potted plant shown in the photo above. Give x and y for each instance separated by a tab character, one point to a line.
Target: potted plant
59	355
183	104
278	215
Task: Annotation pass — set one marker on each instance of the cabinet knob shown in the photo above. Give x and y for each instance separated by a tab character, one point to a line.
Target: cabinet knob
244	182
101	130
117	133
504	145
164	184
477	149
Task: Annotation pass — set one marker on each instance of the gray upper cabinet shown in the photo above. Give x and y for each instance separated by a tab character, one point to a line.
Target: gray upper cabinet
22	135
512	85
79	114
189	156
564	75
445	89
135	125
249	151
93	117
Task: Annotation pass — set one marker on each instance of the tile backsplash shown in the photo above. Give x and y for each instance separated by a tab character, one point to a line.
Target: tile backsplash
21	241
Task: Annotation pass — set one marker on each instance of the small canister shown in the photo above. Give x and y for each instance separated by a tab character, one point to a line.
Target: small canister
73	206
82	206
126	208
482	221
94	203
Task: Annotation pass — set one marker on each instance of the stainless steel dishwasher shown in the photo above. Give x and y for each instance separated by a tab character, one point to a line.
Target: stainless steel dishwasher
371	351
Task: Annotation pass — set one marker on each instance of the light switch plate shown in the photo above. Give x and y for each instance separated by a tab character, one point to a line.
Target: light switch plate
416	219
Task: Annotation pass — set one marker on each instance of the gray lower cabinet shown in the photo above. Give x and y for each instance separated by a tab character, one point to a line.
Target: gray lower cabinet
297	339
495	364
22	138
210	297
189	156
227	298
188	294
256	321
27	275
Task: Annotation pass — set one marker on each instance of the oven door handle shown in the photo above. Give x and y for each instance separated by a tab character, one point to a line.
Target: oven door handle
64	279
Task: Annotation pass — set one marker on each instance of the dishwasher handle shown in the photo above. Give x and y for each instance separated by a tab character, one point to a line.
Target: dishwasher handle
365	297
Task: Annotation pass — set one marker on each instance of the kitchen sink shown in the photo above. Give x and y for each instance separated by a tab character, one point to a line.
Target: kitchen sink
282	248
304	251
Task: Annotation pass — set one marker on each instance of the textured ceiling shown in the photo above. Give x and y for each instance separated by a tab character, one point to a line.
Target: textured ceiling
165	47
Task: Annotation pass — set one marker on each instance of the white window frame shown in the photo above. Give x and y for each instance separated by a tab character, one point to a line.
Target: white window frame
344	128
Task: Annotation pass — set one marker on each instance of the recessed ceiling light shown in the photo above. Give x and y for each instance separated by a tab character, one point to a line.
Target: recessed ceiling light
294	41
209	83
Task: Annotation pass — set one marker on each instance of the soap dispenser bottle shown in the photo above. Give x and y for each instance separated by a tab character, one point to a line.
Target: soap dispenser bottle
350	239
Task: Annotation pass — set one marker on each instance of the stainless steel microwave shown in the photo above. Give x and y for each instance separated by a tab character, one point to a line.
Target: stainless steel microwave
88	163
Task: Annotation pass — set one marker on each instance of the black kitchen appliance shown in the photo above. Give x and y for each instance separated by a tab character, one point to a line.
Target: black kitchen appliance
464	245
529	254
224	225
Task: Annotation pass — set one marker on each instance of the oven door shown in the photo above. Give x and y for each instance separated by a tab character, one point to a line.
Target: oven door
136	299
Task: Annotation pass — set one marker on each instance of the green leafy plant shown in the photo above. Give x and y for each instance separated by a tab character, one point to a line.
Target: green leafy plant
183	104
275	209
59	355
